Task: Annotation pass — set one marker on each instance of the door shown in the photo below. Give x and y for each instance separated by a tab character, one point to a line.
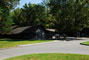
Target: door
40	35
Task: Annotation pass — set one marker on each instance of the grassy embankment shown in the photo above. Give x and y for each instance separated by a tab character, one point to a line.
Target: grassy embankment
51	56
7	43
85	43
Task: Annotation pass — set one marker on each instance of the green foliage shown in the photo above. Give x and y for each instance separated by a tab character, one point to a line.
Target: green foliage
16	16
71	15
6	26
50	21
1	13
5	19
8	4
33	15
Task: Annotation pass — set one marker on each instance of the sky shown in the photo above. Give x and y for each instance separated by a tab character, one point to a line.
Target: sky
22	2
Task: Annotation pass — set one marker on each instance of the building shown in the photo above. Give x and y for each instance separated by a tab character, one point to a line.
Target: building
35	33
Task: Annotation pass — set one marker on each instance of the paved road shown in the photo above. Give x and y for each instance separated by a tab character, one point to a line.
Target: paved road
52	47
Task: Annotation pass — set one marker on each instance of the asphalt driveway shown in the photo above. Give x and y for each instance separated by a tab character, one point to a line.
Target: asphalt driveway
72	46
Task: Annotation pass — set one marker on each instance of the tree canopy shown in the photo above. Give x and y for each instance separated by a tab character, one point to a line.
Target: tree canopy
5	20
71	15
64	15
33	14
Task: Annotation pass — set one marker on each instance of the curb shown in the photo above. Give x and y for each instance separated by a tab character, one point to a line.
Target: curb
36	43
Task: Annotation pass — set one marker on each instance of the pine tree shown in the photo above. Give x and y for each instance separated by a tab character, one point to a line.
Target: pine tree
5	21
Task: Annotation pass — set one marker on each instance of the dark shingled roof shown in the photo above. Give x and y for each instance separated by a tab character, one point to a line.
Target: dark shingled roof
26	29
29	29
19	29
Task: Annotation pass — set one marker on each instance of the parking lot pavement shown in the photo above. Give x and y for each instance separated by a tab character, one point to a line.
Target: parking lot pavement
57	46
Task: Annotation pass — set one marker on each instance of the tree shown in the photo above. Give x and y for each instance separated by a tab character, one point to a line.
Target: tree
17	16
5	21
33	14
71	15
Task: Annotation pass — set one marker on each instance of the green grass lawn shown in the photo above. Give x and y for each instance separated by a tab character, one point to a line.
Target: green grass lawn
51	56
85	43
7	43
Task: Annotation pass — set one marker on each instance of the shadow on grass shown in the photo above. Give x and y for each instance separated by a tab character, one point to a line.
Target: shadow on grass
14	40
